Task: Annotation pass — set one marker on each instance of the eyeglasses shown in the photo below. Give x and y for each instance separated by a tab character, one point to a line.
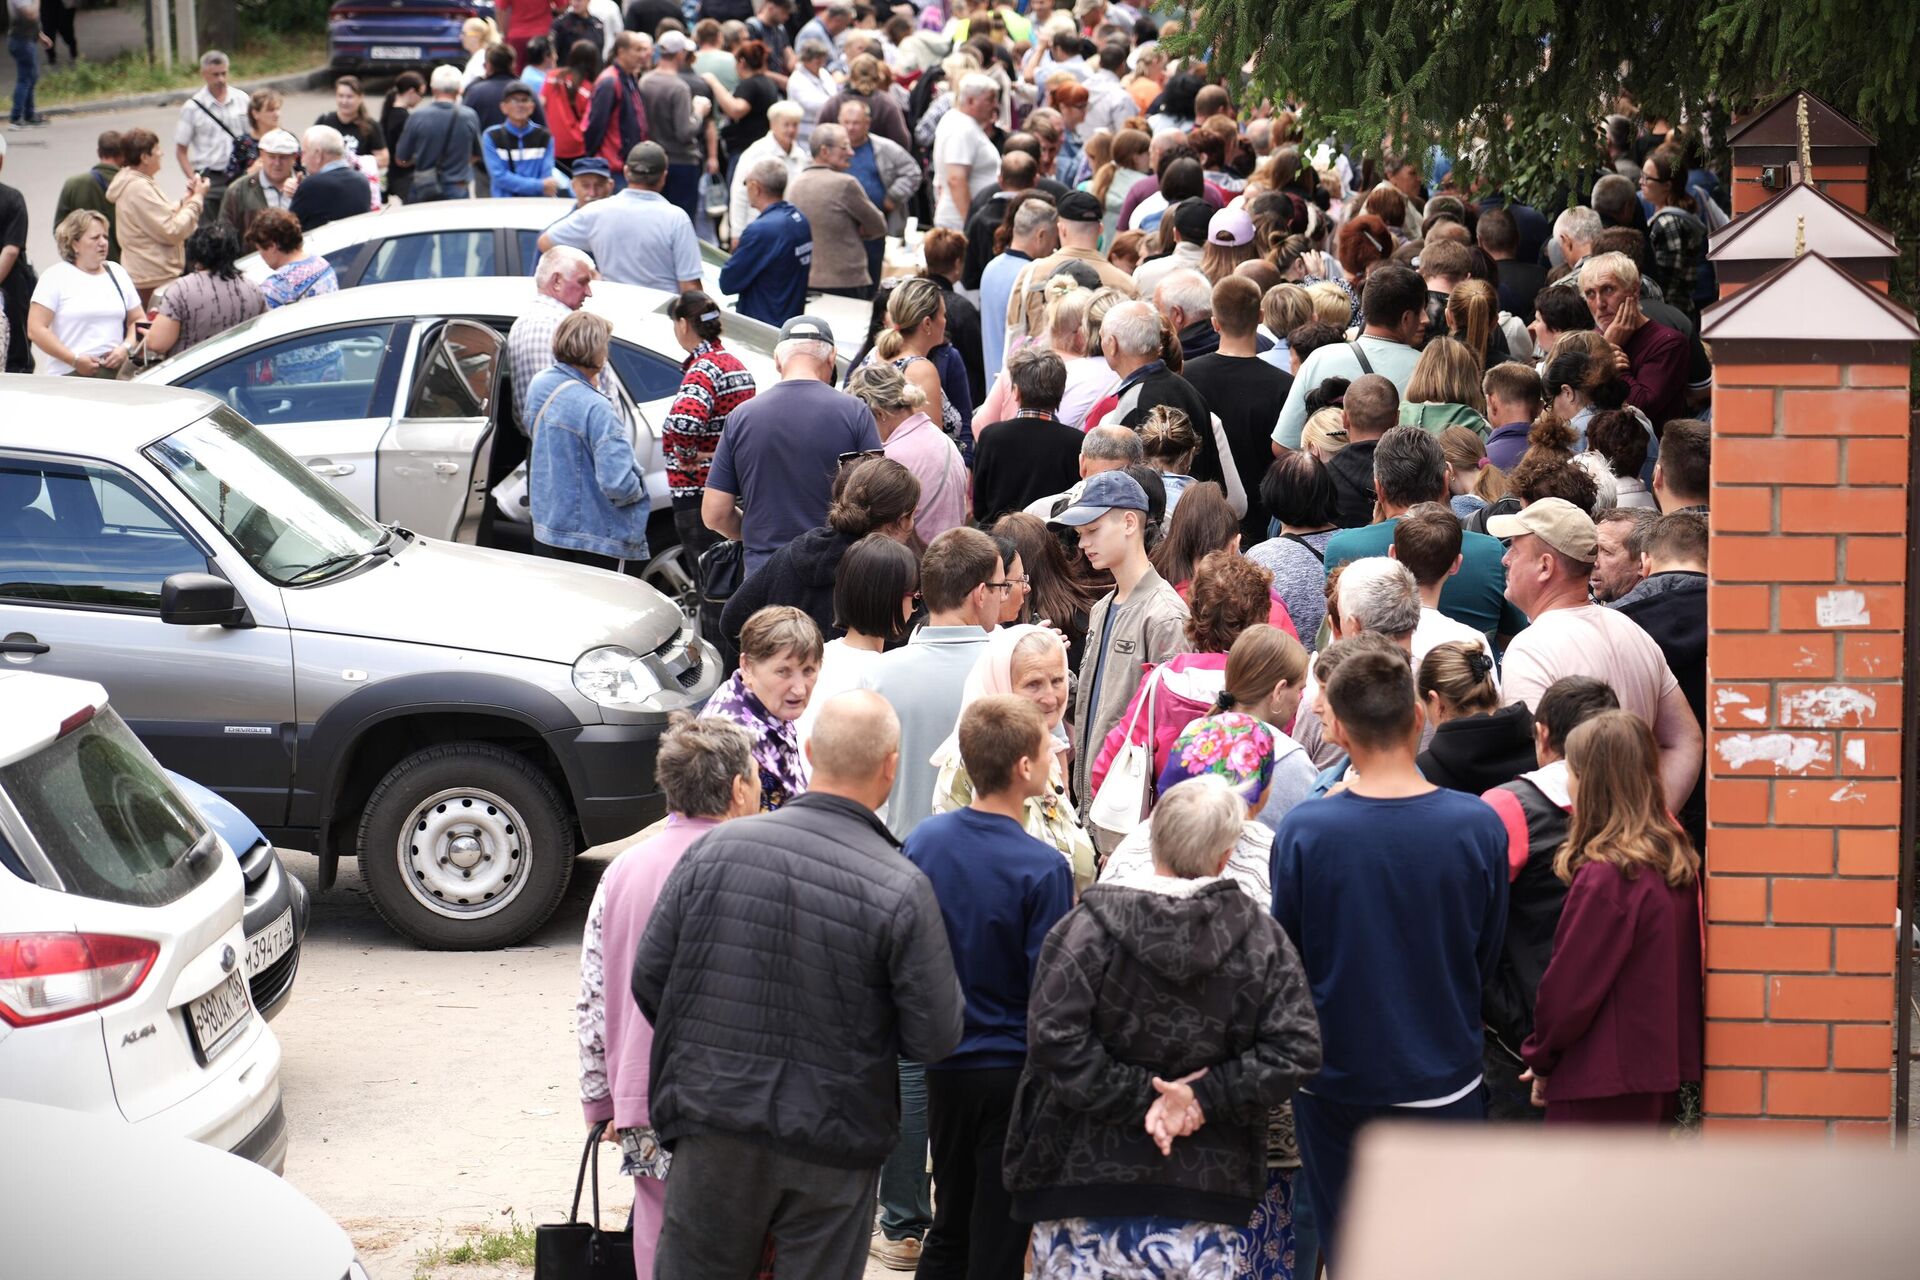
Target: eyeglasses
1004	588
861	455
1019	580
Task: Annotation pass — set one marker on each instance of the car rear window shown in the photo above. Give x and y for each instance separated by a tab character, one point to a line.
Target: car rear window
108	820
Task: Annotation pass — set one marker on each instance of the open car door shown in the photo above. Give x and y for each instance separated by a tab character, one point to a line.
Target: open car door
433	461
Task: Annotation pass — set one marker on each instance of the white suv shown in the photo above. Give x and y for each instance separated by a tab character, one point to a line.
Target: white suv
121	985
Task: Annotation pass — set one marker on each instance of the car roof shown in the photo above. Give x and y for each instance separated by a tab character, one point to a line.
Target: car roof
33	706
37	411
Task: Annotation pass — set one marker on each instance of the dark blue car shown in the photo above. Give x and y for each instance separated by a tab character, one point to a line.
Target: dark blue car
394	35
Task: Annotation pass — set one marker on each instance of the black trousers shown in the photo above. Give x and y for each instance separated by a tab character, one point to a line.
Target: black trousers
56	18
632	568
725	1197
974	1236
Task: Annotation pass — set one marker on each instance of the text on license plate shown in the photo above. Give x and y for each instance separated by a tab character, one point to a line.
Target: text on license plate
218	1016
268	945
409	51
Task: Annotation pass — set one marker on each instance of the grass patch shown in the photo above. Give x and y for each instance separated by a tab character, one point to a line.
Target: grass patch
512	1244
73	82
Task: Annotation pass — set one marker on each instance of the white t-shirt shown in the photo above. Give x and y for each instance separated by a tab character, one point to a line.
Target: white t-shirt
959	139
842	667
1436	628
1589	640
89	311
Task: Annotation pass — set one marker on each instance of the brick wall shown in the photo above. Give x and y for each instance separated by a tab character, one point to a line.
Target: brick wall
1806	618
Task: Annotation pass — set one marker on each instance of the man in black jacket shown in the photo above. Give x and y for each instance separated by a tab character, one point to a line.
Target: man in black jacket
792	958
334	187
1670	604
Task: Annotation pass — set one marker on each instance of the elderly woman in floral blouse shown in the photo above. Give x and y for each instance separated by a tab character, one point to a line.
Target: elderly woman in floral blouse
780	652
1031	663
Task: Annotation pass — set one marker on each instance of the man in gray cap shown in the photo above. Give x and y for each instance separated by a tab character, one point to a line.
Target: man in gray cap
772	475
1142	620
269	187
635	237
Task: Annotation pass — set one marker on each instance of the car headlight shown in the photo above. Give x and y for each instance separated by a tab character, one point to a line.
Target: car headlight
615	677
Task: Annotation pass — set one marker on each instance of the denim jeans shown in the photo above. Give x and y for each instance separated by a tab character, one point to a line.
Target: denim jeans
26	61
906	1190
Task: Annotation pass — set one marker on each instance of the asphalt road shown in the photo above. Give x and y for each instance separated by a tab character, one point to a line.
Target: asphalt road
40	160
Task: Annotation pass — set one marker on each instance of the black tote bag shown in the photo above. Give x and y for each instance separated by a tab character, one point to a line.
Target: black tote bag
576	1250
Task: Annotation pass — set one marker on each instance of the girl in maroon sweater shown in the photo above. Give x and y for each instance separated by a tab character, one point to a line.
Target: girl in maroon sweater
1618	1022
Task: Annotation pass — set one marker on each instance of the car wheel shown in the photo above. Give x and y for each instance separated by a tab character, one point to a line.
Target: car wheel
465	847
671	575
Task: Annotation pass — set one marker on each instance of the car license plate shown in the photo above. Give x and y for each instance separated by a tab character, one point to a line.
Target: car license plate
218	1016
268	945
403	52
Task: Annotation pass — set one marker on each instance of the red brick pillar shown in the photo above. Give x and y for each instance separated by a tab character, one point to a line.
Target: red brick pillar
1766	142
1806	620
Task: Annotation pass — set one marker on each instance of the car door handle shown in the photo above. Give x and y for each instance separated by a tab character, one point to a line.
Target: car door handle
320	468
23	644
446	468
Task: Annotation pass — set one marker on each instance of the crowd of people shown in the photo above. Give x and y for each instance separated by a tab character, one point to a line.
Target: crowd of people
1223	664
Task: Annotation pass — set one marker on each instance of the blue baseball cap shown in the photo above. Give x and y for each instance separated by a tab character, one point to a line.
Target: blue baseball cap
1108	491
589	166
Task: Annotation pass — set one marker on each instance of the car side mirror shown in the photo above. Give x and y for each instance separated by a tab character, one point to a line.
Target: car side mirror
201	600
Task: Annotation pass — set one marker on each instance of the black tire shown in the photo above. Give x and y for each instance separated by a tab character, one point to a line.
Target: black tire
524	805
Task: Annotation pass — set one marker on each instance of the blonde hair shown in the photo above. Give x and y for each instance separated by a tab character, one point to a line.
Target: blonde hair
1261	657
1102	301
914	302
1473	309
1284	308
481	27
1066	323
1466	453
1325	433
74	226
1462	674
881	386
868	75
1447	373
1168	440
1622	817
1331	305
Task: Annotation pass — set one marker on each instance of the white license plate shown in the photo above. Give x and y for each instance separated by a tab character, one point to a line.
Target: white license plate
268	945
218	1016
405	51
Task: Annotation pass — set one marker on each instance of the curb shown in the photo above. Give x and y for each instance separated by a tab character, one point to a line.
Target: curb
293	81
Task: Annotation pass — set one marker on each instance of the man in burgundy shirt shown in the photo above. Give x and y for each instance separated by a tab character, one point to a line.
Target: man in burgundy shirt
1654	357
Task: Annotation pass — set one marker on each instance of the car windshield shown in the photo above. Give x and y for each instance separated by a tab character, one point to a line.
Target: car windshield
291	526
107	819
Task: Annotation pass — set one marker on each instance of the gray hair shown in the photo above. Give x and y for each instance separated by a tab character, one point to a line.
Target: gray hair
1194	825
1641	521
1606	486
556	262
1409	467
697	762
771	174
1039	378
827	135
856	104
1614	194
785	109
582	339
816	349
1379	594
810	49
324	140
1579	224
1134	327
1113	444
446	79
212	58
1618	267
1186	289
881	386
1031	216
977	84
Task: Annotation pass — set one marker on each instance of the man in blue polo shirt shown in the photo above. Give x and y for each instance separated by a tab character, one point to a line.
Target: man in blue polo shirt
772	474
635	237
773	257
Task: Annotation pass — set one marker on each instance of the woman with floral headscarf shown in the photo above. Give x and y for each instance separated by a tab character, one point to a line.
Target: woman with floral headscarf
1028	662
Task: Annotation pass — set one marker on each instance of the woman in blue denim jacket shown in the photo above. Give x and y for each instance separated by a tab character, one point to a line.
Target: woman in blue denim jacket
587	492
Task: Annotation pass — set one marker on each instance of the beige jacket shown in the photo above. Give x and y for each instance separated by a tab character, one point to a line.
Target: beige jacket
842	219
153	230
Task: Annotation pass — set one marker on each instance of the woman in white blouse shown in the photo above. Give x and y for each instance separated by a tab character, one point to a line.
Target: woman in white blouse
84	308
811	85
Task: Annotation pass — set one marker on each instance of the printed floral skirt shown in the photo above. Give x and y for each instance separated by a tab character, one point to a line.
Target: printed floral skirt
1268	1253
1135	1249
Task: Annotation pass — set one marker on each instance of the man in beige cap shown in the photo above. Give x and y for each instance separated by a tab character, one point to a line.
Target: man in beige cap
1550	559
270	187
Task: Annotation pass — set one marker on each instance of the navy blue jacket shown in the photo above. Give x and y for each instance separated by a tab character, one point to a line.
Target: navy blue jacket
519	162
330	195
1397	908
770	265
1000	891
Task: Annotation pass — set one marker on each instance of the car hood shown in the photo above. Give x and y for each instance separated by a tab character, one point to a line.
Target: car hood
461	597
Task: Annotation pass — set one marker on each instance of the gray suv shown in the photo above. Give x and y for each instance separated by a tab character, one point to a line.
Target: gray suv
462	720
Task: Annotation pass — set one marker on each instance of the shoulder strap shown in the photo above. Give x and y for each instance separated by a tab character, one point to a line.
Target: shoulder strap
208	112
123	285
1366	365
543	409
1317	553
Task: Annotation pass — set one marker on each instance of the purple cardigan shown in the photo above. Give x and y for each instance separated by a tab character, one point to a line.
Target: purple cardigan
1619	1009
614	1037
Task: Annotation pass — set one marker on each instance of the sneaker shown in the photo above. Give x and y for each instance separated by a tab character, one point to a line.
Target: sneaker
895	1255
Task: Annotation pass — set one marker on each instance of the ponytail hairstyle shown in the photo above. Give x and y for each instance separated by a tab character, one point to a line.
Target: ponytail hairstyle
1461	673
1170	353
1473	309
879	492
1622	817
1168	440
1261	658
913	302
1466	453
1129	145
698	310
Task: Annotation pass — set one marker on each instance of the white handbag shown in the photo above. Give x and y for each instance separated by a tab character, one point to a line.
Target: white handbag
1126	793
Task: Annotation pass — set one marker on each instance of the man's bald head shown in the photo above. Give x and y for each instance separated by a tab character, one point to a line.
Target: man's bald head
855	747
1372	405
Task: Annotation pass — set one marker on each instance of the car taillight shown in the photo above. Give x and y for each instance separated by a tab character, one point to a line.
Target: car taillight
48	976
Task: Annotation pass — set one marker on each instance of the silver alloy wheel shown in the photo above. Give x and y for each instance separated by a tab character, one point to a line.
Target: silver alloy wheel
463	853
671	575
